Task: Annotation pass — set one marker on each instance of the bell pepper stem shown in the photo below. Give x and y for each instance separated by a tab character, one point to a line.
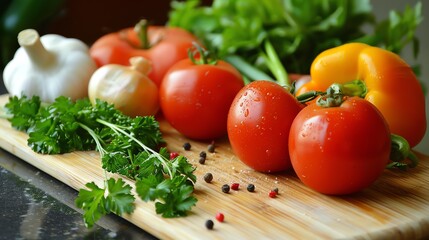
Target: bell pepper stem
354	88
400	152
29	40
141	29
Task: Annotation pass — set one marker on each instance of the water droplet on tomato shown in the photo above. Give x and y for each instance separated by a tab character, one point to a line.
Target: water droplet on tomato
246	112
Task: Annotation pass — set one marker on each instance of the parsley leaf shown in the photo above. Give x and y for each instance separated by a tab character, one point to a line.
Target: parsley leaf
127	146
23	111
119	200
92	202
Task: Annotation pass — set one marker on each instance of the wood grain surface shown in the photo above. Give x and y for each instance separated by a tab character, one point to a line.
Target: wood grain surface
394	207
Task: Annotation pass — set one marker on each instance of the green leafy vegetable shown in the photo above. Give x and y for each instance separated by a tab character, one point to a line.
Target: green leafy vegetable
119	200
238	30
127	146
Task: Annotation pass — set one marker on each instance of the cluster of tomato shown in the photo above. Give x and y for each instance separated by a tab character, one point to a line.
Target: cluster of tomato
334	150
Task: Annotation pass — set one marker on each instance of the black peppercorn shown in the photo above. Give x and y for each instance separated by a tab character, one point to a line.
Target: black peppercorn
211	148
251	188
276	190
208	177
202	160
209	224
225	188
203	154
187	146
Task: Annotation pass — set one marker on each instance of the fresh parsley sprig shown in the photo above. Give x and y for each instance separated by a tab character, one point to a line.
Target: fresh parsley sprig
127	146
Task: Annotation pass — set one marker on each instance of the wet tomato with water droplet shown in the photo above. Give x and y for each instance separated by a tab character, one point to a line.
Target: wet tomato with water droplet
195	98
259	121
339	150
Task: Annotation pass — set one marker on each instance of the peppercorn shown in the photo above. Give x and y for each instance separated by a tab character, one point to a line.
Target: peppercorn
276	190
225	188
208	177
220	217
251	188
235	186
173	155
203	154
187	146
202	160
209	224
272	194
211	148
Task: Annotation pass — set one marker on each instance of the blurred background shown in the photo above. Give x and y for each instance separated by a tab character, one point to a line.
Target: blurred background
89	20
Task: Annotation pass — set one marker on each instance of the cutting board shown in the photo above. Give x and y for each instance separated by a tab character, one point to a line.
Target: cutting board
395	207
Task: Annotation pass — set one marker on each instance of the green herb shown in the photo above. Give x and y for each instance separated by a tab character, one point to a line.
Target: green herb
264	37
127	146
119	200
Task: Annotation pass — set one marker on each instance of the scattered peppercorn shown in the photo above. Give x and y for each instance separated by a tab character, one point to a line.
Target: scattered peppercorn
220	217
202	160
276	190
251	188
272	194
187	146
235	186
209	224
173	155
208	177
211	148
225	188
203	154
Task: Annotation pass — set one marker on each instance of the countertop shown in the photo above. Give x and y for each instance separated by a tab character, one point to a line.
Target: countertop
36	206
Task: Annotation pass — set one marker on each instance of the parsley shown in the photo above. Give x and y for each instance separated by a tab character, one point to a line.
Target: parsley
119	200
127	146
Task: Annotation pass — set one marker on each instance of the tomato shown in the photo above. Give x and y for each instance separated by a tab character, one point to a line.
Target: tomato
195	98
259	121
339	150
164	47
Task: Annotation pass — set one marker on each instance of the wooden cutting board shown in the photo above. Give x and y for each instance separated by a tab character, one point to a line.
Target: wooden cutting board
395	207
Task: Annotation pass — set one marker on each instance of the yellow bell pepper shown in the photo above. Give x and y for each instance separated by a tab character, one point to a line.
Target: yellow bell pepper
390	84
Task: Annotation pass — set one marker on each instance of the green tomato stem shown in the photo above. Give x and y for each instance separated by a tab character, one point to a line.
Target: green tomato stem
204	56
400	152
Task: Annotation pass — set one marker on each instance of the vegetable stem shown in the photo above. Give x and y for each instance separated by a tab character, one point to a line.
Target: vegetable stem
29	40
401	151
249	71
275	65
119	130
141	29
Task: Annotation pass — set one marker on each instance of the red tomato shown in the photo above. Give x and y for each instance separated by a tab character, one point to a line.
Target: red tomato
258	125
339	150
195	98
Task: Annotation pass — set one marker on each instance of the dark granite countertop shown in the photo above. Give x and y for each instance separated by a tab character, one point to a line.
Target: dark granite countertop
33	205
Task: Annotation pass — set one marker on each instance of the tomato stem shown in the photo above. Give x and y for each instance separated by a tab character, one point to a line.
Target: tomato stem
334	95
400	152
204	56
141	29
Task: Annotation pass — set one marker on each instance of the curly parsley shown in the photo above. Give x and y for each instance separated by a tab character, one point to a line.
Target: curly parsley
127	146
